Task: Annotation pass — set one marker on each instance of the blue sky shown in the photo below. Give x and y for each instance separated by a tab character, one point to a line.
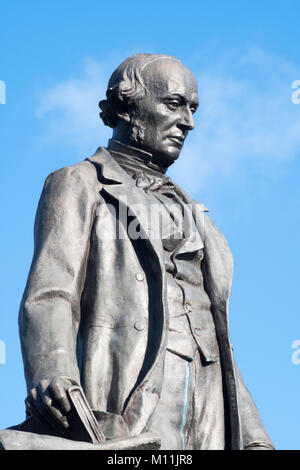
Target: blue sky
242	160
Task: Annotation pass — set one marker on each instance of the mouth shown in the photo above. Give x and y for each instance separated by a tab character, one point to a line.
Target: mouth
177	139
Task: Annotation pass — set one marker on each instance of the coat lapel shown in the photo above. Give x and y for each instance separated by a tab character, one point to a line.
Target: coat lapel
118	184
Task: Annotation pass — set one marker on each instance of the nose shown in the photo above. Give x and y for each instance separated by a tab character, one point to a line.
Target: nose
186	119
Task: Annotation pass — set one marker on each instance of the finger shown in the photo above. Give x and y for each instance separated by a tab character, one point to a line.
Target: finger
28	406
58	392
33	402
48	409
55	414
35	406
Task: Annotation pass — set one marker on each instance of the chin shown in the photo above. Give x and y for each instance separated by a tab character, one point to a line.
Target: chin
166	159
172	154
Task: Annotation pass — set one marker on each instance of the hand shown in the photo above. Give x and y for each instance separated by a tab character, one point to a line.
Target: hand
49	401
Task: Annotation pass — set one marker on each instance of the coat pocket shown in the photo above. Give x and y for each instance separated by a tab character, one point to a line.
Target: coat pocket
207	345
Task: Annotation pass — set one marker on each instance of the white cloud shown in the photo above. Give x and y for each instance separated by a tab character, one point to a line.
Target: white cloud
245	115
70	108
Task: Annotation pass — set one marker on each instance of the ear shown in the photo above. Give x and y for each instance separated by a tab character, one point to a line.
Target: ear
124	116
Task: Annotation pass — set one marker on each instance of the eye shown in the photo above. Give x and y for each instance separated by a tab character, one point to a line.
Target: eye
193	109
173	104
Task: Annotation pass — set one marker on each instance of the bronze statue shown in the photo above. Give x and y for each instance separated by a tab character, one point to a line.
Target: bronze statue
128	290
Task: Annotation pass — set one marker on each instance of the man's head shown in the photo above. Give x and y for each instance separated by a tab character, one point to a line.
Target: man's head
150	102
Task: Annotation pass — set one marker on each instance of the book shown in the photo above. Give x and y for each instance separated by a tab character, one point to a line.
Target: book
83	425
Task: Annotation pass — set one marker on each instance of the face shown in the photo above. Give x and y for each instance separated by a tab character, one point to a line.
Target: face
166	112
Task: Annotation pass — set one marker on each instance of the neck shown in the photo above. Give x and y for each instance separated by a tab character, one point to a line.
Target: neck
140	158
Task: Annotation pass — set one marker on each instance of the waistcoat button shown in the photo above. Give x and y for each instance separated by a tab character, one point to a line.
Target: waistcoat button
139	276
139	326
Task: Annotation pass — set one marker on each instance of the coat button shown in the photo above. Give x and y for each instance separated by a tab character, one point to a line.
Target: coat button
139	326
139	276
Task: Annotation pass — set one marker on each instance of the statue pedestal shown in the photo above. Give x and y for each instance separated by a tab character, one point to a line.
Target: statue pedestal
19	440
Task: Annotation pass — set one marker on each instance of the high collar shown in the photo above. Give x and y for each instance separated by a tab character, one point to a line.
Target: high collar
134	158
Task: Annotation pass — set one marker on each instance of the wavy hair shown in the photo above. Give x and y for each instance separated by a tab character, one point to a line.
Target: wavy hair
126	86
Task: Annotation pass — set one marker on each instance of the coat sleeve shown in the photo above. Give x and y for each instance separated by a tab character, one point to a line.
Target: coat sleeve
253	431
50	309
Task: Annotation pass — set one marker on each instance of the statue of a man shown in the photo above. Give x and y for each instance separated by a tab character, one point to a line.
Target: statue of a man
128	290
